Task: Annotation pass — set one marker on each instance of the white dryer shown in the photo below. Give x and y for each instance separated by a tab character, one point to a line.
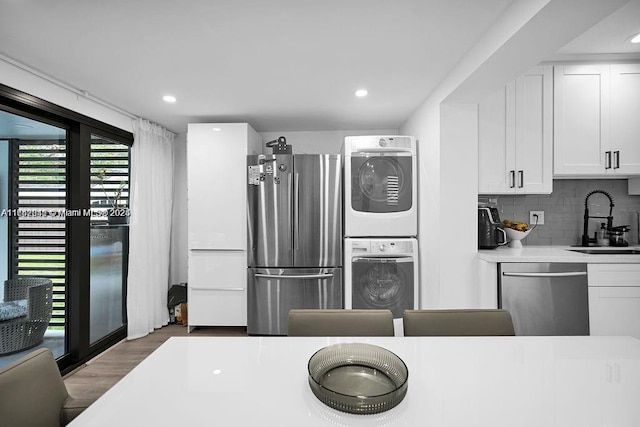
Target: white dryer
380	186
382	274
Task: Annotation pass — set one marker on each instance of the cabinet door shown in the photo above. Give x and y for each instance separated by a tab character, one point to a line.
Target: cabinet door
216	186
625	122
533	138
217	288
496	138
217	270
581	119
614	310
217	307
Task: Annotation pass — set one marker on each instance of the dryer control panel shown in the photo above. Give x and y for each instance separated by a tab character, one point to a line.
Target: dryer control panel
381	246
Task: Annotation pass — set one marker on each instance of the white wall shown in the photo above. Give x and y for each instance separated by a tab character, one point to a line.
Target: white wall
30	82
446	126
319	142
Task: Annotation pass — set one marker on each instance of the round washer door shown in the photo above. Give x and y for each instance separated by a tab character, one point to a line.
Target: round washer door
383	283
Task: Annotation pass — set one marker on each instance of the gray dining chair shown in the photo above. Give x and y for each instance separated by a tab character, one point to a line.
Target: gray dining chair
33	393
340	323
463	322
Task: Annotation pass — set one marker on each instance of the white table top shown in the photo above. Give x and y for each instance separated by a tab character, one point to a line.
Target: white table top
478	381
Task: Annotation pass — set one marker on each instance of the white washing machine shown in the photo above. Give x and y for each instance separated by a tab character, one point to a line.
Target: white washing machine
380	186
382	274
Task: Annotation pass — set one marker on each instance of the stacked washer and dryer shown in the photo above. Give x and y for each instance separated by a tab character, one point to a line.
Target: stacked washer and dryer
381	224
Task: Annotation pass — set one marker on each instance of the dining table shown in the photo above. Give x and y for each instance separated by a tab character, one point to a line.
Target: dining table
517	381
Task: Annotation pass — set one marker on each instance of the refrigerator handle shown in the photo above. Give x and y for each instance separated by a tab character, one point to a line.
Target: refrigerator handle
295	276
291	213
296	217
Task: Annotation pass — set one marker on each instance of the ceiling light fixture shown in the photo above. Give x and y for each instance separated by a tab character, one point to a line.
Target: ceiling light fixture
636	38
217	129
361	93
169	98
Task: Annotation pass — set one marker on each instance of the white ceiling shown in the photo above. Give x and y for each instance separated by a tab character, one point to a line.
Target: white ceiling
609	36
278	64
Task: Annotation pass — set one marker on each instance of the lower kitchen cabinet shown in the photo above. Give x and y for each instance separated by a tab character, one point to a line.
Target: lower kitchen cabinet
614	299
219	307
217	288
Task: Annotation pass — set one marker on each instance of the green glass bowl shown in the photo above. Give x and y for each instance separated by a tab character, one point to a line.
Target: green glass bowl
358	378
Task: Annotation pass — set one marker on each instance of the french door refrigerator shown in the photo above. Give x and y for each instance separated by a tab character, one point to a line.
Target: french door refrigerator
295	237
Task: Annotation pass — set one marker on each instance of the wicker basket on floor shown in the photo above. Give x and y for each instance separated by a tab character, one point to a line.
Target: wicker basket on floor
26	332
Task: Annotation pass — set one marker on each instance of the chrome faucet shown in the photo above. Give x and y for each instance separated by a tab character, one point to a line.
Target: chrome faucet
585	233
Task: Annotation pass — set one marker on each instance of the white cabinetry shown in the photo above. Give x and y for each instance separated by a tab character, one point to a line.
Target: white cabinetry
625	118
217	222
614	299
596	110
515	136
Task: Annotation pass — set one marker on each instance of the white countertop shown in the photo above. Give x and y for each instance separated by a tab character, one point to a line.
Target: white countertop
553	254
453	381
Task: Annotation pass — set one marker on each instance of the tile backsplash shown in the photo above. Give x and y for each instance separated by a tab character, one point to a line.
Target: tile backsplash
564	210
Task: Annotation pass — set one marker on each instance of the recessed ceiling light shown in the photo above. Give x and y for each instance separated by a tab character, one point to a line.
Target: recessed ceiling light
217	129
169	98
361	93
636	38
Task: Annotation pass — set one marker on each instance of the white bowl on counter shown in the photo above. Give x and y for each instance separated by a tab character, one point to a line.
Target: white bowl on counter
515	237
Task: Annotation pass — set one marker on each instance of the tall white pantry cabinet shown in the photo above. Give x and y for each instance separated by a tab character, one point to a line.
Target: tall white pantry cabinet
217	222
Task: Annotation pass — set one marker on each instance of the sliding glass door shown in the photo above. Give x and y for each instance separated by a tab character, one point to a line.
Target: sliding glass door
64	193
109	235
33	233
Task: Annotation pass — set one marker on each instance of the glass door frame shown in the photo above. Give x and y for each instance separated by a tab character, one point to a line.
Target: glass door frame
78	349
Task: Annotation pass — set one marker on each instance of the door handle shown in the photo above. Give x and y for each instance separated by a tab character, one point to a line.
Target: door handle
291	213
521	178
296	218
512	179
216	250
294	276
616	160
607	159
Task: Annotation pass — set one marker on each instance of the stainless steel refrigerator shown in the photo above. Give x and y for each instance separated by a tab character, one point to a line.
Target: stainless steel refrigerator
295	237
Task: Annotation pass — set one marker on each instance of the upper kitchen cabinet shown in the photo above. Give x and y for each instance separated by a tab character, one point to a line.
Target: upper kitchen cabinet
216	184
625	118
596	127
515	136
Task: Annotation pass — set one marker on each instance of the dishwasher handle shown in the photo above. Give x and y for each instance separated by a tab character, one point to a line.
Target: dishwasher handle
564	274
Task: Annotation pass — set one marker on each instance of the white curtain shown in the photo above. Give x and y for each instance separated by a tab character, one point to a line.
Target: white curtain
151	201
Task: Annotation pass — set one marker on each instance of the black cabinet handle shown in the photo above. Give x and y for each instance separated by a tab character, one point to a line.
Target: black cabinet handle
616	160
521	177
512	179
607	159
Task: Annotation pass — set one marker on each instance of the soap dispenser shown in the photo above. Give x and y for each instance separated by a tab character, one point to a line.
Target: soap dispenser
602	235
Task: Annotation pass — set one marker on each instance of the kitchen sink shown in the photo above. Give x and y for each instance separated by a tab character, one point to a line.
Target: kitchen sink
603	251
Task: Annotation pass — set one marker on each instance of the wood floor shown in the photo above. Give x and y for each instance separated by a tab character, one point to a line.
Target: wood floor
100	374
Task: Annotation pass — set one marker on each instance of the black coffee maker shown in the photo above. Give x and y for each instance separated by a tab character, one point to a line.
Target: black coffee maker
490	233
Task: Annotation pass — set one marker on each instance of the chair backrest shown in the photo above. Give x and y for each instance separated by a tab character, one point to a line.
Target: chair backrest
340	323
464	322
32	391
37	290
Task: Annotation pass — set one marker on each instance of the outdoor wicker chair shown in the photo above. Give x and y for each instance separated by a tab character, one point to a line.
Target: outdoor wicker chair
27	331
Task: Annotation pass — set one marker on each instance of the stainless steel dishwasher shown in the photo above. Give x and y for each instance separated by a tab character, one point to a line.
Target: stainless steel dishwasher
545	298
